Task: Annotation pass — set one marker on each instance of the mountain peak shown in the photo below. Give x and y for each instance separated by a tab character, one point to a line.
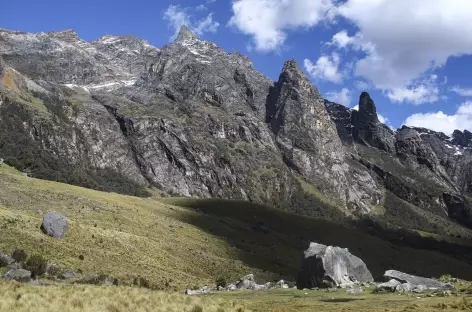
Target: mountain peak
185	34
367	106
68	35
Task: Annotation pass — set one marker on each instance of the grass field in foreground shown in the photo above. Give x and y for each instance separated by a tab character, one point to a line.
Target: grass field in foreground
73	298
322	301
184	243
79	298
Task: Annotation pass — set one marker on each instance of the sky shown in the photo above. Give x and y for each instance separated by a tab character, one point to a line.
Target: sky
414	57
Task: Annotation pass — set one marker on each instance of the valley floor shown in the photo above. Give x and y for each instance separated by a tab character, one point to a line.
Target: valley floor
74	298
177	244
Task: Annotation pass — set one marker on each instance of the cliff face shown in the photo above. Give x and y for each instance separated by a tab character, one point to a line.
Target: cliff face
193	120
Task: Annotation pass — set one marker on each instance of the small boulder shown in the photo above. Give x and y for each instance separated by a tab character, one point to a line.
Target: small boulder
18	275
246	282
389	286
202	291
328	266
54	224
5	260
417	281
354	291
281	284
403	288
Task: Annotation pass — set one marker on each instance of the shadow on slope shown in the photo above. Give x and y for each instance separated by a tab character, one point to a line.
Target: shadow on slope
273	240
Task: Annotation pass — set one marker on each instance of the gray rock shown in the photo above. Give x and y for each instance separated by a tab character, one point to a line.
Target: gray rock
405	287
247	282
390	286
19	275
202	291
354	291
416	281
54	224
5	260
328	266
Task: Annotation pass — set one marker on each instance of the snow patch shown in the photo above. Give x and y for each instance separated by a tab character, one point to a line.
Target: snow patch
448	146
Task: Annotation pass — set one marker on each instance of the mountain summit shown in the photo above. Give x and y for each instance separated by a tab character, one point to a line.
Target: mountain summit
191	119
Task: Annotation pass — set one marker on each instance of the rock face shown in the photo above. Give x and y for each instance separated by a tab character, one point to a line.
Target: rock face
367	127
328	266
191	119
55	225
416	281
18	275
5	260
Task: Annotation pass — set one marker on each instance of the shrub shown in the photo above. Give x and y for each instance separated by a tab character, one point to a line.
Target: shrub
37	265
197	308
141	282
19	256
221	282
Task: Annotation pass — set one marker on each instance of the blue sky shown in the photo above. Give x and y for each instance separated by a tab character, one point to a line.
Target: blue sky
413	57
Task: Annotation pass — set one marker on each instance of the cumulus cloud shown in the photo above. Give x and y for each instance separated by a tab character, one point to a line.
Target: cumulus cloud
429	33
342	97
441	122
267	21
462	91
178	16
326	67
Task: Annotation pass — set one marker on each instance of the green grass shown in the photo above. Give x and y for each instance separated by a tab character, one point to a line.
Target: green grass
321	300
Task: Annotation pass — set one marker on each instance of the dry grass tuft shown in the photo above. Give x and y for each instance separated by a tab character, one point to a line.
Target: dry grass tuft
72	298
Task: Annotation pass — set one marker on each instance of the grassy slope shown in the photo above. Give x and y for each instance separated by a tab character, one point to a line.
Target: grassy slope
71	298
165	242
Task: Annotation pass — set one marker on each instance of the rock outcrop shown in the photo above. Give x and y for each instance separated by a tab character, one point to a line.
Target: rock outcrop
55	225
367	127
19	275
416	281
328	266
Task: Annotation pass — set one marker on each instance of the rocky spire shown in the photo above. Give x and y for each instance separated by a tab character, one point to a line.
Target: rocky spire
185	34
367	128
462	138
367	107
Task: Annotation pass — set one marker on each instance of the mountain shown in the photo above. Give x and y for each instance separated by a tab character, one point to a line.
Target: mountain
193	120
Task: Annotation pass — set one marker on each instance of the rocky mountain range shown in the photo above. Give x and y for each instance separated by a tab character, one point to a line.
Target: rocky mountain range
191	119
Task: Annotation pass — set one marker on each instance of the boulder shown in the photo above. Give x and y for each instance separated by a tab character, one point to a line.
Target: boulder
5	260
54	224
18	275
328	266
202	291
390	286
405	287
281	284
354	291
246	282
417	281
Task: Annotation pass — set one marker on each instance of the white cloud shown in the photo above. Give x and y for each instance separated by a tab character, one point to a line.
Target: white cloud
407	38
342	39
267	21
442	122
342	97
356	107
362	85
326	67
417	95
462	91
178	16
